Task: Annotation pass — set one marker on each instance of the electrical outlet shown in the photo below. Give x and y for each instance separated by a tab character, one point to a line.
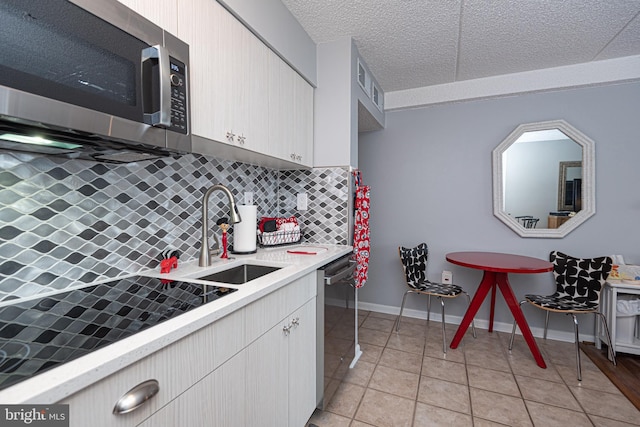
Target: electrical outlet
248	198
447	277
302	201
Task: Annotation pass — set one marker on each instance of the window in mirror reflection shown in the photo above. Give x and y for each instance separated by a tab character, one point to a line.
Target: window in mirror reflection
532	168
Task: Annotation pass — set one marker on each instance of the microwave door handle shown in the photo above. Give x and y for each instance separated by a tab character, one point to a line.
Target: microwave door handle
156	68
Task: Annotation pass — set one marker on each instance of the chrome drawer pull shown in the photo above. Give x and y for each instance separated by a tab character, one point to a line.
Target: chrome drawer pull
136	397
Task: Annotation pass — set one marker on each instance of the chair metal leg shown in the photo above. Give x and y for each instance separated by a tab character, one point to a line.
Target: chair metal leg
429	308
611	352
444	336
473	321
513	329
575	328
546	325
402	308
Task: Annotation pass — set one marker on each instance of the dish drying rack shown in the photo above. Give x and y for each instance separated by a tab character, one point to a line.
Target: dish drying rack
281	237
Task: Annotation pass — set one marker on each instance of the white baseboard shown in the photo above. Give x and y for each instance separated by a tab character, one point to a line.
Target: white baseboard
480	323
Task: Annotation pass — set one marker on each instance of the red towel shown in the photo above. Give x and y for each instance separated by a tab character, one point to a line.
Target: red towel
361	245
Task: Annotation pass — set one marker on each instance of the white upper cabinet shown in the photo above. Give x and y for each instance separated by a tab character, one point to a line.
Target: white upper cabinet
163	13
228	103
303	120
243	95
290	114
232	97
280	108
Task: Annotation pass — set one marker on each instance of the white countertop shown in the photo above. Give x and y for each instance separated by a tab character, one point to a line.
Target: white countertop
62	381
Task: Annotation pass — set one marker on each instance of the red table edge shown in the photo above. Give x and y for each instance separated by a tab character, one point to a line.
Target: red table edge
548	266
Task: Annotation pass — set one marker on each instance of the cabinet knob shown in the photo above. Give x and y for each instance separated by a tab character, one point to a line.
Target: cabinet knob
136	397
241	139
286	329
296	322
230	136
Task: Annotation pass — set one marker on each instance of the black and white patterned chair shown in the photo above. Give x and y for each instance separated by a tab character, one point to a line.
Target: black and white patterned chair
578	285
414	265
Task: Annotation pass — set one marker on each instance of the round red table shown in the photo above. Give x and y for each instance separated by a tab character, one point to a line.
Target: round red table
496	267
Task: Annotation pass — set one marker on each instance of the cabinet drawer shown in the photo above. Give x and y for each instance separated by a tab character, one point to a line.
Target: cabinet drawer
175	367
217	400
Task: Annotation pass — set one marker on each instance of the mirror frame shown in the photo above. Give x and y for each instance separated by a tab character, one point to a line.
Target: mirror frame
588	180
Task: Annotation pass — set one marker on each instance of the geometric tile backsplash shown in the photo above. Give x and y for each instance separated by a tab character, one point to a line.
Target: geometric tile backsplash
327	191
67	222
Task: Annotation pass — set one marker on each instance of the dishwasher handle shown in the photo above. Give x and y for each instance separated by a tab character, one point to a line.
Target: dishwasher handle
340	275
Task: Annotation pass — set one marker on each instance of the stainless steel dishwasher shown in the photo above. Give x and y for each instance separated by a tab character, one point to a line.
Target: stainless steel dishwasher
337	349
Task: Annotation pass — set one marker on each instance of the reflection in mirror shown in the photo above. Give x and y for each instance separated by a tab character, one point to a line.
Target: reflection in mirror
541	188
570	186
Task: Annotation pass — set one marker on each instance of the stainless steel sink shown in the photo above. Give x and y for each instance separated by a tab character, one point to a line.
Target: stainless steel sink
240	274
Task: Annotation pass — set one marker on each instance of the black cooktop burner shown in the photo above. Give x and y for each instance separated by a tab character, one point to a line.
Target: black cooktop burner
39	334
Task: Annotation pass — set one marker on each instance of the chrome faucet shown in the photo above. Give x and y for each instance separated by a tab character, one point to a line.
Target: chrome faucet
234	218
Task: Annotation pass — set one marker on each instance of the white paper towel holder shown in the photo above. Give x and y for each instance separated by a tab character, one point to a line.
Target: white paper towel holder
247	231
244	252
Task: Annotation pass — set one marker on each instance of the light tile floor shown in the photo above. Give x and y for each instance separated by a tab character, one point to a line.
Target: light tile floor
404	379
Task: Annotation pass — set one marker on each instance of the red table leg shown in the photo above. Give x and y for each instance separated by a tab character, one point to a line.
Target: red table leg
512	302
493	306
488	282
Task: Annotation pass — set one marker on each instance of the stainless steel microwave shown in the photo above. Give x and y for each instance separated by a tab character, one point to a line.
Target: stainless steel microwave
96	79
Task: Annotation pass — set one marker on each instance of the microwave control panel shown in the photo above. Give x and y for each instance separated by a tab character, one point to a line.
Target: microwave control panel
179	101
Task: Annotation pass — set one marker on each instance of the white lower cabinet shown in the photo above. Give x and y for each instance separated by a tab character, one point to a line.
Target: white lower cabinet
302	365
255	366
281	382
266	380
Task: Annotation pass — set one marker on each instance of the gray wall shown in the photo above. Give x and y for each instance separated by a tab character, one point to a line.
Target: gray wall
430	173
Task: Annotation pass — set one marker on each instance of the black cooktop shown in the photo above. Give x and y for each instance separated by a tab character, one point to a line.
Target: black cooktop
40	334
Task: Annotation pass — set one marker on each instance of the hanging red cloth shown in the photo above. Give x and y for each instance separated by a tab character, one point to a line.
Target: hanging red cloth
361	230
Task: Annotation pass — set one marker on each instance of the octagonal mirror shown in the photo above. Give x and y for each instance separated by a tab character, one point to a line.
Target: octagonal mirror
544	179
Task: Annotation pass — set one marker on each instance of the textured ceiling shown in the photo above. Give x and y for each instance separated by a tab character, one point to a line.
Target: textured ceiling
416	43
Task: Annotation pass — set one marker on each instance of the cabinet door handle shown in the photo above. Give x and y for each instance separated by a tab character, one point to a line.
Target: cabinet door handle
136	397
295	322
230	136
287	329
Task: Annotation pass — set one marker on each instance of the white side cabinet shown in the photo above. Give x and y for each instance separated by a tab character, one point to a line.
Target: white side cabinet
608	304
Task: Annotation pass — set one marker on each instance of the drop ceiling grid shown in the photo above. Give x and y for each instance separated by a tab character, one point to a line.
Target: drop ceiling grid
540	34
409	44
